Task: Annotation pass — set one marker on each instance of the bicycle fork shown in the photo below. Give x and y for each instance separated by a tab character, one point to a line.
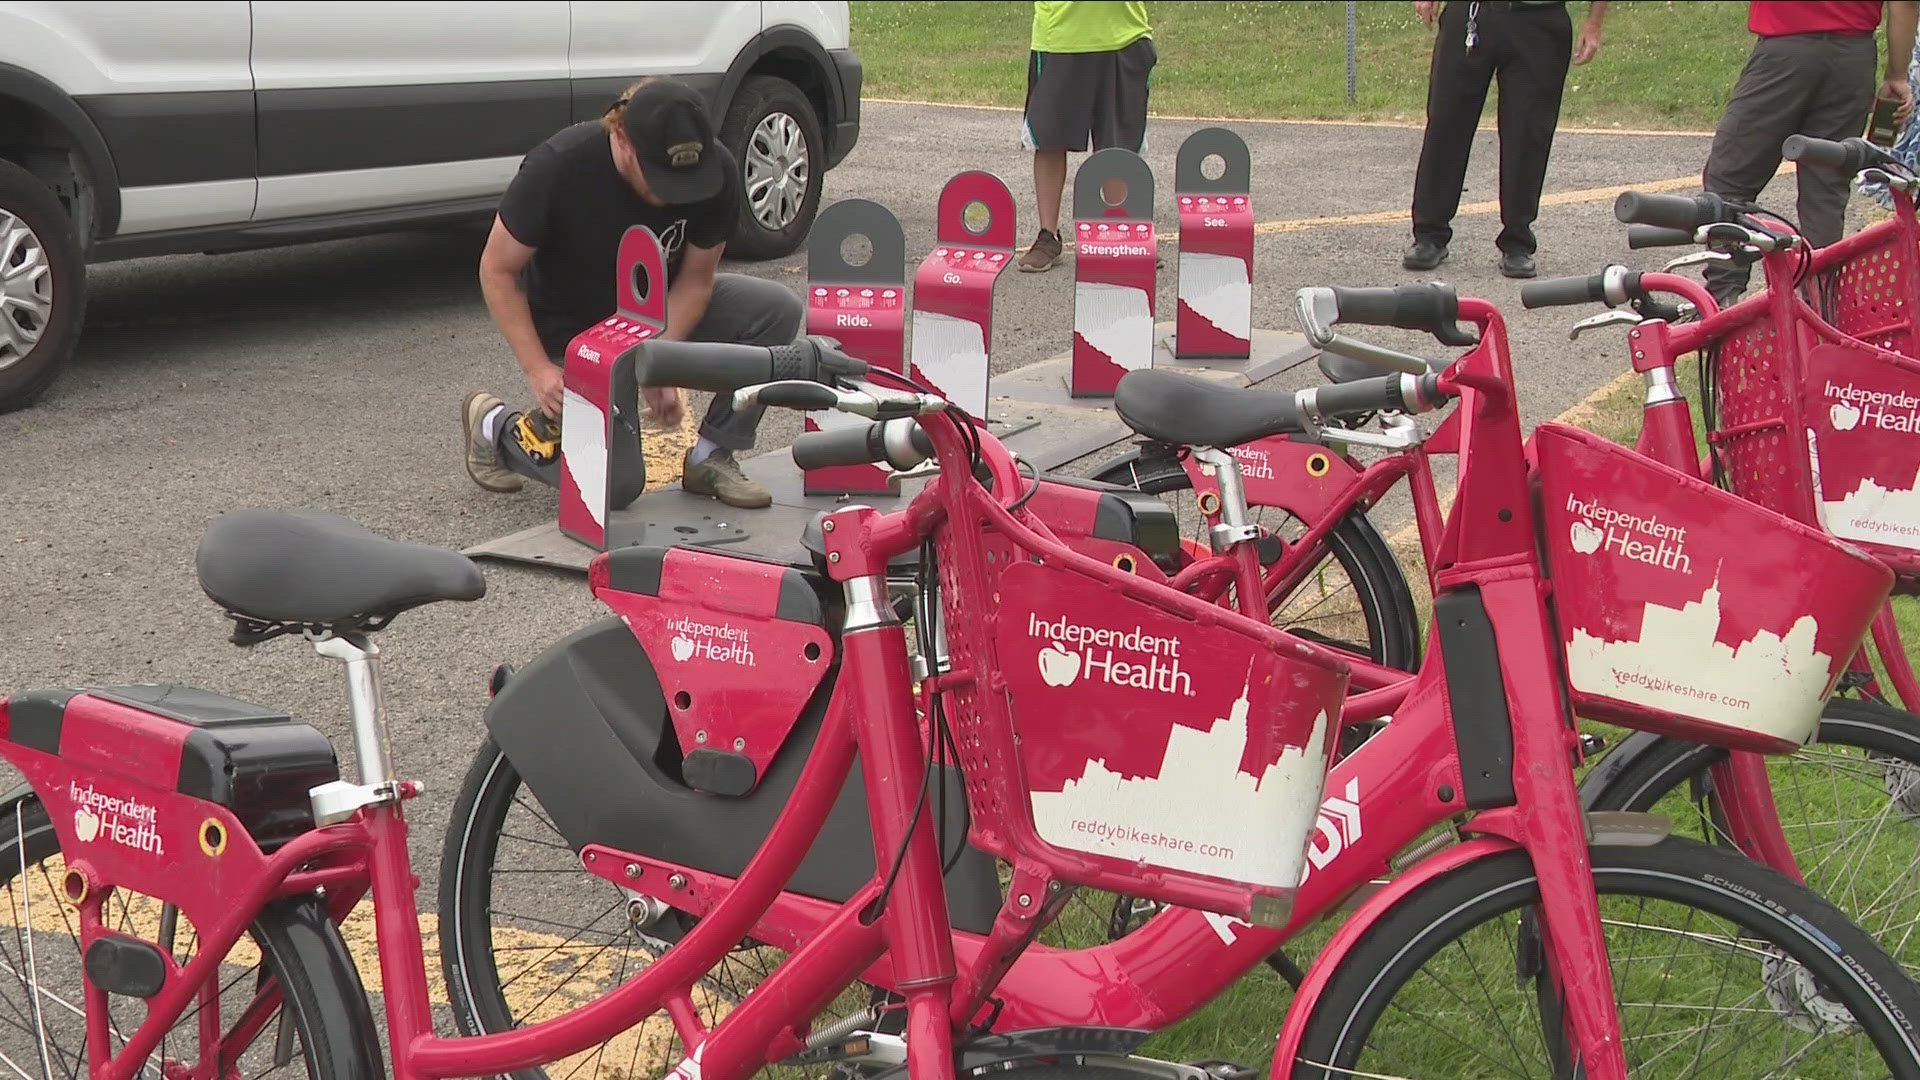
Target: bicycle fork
1497	617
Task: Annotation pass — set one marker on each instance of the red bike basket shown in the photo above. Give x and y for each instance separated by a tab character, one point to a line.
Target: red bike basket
1827	433
1689	611
1874	289
1113	726
1862	410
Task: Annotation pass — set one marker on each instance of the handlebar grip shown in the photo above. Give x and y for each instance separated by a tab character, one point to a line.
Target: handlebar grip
722	366
704	365
1646	236
856	445
901	443
1672	211
1847	155
1398	393
1814	151
1558	292
1434	308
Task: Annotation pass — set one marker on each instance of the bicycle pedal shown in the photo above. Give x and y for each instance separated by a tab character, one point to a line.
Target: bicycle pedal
1224	1070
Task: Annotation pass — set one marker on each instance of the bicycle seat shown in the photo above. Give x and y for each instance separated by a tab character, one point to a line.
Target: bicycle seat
1174	408
306	568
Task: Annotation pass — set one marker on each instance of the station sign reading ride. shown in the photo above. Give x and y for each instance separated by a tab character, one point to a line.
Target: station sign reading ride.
863	306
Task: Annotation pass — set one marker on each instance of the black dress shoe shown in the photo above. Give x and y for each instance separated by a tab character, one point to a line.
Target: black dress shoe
1424	255
1517	264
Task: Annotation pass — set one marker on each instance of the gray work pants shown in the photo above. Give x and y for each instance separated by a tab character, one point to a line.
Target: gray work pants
744	310
1818	85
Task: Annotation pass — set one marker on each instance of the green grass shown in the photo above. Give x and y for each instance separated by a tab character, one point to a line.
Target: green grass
1661	64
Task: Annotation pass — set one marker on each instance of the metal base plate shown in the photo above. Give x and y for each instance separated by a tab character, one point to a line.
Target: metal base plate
1034	413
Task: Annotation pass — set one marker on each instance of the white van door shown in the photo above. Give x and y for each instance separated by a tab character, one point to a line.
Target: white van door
168	88
366	106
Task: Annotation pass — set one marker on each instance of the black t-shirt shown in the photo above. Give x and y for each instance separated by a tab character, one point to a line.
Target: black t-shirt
572	206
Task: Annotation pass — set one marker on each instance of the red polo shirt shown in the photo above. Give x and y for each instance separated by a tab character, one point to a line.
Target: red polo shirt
1777	18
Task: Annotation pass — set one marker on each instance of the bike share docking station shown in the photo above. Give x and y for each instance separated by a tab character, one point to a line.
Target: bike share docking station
1116	246
941	330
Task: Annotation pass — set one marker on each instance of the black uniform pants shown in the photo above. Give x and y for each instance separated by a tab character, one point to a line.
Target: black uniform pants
1527	48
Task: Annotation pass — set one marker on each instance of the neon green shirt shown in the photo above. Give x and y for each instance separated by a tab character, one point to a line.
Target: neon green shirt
1084	26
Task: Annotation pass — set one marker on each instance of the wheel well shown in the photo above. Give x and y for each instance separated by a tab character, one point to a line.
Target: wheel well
797	68
37	142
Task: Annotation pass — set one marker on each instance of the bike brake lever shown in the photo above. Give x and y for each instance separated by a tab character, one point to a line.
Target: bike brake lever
1894	182
871	402
1378	355
1612	317
1697	258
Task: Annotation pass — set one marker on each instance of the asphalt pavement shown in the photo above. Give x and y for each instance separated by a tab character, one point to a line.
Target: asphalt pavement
330	376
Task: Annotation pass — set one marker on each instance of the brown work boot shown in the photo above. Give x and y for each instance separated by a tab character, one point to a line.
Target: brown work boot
1043	255
483	461
721	477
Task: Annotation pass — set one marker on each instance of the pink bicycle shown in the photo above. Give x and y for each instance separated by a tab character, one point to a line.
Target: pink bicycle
597	726
1848	804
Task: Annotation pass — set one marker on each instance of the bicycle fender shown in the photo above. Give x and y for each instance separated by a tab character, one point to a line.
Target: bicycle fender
1362	920
1614	764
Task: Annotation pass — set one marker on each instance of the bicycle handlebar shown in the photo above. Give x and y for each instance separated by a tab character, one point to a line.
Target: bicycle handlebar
1563	291
1393	393
721	366
1847	155
1434	308
1687	212
900	443
1646	236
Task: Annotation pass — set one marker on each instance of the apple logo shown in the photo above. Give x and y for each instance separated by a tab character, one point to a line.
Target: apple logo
86	825
1586	539
1844	416
1058	667
682	647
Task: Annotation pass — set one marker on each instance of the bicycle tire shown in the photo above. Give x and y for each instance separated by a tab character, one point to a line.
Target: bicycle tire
321	990
1380	589
1883	737
1791	931
471	942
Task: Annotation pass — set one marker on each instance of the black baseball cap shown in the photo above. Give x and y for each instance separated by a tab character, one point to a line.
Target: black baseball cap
672	135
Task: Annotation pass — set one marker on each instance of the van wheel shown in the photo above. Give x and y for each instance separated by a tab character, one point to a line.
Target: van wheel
774	135
43	286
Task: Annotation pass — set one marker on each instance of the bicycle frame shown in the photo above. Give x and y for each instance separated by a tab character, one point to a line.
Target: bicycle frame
1384	796
1482	732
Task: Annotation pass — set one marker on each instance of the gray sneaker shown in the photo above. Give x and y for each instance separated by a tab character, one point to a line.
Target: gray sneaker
483	463
1043	255
721	477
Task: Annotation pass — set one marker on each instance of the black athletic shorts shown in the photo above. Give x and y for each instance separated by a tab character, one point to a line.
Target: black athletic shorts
1081	101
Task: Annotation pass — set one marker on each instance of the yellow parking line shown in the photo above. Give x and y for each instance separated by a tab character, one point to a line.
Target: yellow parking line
1403	125
1490	206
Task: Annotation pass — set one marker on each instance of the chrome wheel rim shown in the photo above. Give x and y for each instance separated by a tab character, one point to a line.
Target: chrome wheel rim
26	289
777	170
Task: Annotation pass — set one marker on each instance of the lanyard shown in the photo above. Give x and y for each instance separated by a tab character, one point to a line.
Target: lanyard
1473	20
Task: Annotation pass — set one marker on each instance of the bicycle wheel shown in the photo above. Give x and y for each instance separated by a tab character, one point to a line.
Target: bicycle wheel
1721	967
323	1026
526	934
1358	600
1849	804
